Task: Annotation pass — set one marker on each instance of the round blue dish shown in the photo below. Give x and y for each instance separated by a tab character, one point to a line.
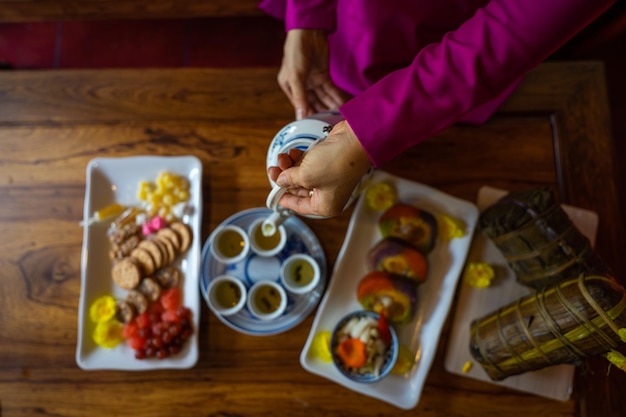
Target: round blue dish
391	354
300	239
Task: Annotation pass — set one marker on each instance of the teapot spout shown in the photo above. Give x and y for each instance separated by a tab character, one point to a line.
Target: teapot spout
270	225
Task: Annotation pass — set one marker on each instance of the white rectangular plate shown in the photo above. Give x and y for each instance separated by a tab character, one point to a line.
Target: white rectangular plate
421	336
554	382
111	180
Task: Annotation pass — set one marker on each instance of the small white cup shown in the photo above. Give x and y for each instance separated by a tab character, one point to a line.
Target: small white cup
300	273
266	244
267	300
230	244
226	295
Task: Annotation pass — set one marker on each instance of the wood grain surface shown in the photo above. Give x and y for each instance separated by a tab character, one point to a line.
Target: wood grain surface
553	131
45	10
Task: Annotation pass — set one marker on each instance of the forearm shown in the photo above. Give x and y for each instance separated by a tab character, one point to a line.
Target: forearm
469	67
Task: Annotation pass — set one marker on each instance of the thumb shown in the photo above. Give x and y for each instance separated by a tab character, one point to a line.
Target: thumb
289	178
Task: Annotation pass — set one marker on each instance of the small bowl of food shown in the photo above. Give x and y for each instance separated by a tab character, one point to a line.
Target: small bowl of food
364	347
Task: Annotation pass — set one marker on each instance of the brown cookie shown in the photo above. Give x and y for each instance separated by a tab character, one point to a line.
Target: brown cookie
164	252
144	258
168	277
150	288
172	236
137	300
124	311
155	251
169	246
127	273
185	233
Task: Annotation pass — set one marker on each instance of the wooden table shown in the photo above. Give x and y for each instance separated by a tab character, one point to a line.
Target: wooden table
553	131
47	10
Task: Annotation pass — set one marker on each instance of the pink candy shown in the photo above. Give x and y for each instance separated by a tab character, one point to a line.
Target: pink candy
154	225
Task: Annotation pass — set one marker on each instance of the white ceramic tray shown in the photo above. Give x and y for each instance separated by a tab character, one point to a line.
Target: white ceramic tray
555	382
300	239
111	180
421	336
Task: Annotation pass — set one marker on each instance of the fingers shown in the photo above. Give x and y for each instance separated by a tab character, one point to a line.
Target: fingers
299	203
295	154
274	172
294	89
285	161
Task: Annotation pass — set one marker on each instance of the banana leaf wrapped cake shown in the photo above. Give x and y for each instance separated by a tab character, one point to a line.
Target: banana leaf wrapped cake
538	239
561	323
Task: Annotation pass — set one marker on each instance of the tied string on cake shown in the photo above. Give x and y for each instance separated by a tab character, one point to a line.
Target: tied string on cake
537	238
559	324
577	310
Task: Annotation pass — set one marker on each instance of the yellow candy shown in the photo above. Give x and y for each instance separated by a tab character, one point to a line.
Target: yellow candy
405	361
320	346
168	190
450	227
169	200
102	309
380	196
182	195
478	274
108	334
467	366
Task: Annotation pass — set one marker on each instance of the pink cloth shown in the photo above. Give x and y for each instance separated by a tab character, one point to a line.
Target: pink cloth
416	67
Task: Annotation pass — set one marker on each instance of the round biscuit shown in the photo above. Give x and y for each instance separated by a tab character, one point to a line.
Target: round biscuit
172	236
155	251
126	273
185	233
145	260
169	246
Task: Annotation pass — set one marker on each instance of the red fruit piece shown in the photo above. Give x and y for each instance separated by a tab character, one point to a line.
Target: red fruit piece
137	342
171	316
171	298
143	320
130	330
383	330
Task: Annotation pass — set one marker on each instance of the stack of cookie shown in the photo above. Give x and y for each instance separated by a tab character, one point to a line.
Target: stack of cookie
146	267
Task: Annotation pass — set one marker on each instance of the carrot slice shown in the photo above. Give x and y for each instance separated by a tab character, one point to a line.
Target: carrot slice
352	353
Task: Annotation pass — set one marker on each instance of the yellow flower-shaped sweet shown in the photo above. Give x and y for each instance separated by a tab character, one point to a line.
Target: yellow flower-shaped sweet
450	227
102	309
108	334
405	361
478	274
380	196
617	359
320	346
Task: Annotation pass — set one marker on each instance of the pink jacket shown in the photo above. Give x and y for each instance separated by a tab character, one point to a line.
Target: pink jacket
416	67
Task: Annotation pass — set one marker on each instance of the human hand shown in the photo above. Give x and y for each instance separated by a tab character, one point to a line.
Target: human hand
304	75
321	181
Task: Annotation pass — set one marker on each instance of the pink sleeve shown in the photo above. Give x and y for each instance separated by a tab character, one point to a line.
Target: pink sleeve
471	66
303	14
